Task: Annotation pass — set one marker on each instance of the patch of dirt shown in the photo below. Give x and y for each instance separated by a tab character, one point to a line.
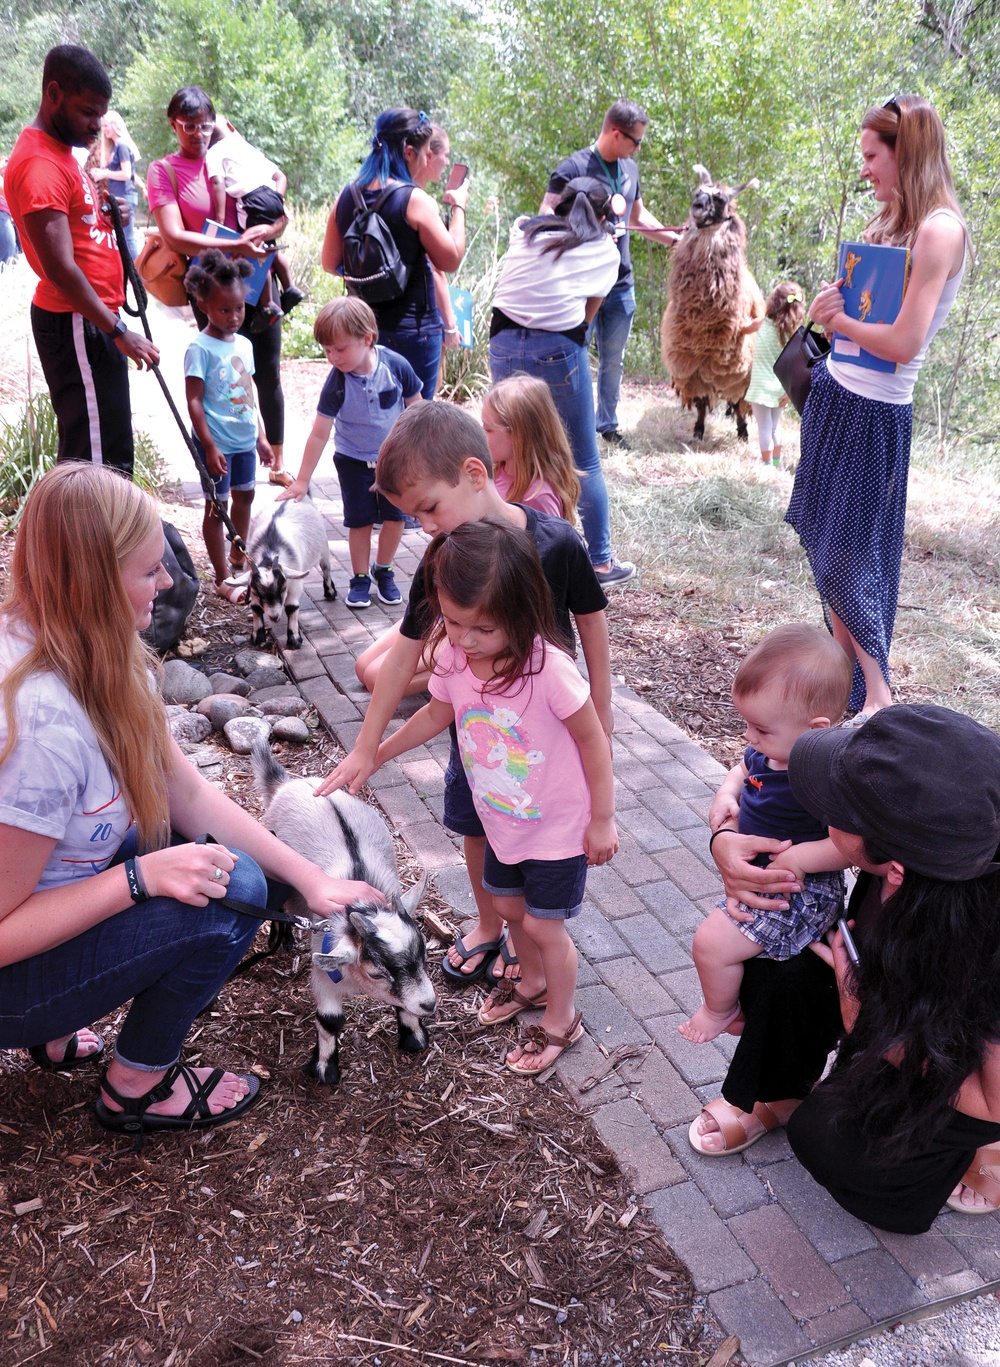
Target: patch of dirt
430	1209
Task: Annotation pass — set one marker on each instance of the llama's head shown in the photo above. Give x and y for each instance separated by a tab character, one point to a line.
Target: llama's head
712	204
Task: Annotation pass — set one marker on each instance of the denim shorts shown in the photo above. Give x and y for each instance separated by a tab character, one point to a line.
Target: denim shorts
363	506
810	914
552	888
241	473
460	815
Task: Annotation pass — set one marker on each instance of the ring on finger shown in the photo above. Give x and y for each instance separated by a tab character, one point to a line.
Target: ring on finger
219	874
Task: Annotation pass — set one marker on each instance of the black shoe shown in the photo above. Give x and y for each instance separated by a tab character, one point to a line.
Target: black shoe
615	438
266	317
290	298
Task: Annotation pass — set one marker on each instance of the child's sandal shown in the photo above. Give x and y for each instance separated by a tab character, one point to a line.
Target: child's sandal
506	994
536	1039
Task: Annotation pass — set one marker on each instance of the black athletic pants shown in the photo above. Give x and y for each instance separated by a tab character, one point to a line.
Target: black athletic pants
87	378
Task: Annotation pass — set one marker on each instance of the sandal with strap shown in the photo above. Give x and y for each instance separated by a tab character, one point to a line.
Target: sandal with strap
983	1177
134	1117
506	994
732	1125
505	955
71	1059
536	1039
455	975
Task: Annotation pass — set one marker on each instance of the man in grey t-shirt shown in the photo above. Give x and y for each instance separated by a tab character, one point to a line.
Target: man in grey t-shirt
611	160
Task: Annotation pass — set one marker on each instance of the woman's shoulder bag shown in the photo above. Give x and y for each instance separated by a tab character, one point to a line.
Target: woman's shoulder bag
160	268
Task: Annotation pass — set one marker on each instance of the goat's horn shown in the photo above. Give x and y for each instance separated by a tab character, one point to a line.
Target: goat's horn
702	172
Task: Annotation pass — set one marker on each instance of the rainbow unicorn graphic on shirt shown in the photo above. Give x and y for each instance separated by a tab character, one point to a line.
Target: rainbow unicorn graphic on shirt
498	760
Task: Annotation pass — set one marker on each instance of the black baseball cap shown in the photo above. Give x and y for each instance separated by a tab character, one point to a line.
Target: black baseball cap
922	783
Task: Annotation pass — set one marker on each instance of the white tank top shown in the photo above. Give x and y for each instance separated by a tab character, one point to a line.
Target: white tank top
897	387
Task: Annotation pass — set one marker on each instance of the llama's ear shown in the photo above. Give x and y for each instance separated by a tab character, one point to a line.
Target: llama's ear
753	184
702	172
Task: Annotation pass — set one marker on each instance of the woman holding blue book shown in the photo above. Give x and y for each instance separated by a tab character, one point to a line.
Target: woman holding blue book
849	500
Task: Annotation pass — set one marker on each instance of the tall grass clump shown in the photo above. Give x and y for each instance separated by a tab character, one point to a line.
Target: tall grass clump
28	447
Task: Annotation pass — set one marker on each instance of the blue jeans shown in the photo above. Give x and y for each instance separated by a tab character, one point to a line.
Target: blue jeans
170	958
611	328
422	350
565	368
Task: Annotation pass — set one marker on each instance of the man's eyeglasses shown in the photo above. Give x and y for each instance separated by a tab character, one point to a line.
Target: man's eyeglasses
186	126
636	142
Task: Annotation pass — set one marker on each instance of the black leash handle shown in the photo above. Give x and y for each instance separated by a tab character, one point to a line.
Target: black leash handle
132	278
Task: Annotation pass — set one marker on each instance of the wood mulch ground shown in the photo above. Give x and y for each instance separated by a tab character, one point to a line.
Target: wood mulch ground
429	1210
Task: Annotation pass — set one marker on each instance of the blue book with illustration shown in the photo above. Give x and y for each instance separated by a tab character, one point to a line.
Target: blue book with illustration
254	283
874	284
461	302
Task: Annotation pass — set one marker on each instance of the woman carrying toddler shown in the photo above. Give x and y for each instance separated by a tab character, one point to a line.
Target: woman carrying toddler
796	680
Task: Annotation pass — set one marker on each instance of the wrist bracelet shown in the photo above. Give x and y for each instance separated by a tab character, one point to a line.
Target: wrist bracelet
450	331
723	830
136	883
457	206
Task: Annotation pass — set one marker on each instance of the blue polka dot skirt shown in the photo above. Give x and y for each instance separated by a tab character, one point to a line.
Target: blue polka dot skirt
849	508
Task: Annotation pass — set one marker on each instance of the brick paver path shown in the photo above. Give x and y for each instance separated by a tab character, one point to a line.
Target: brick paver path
781	1264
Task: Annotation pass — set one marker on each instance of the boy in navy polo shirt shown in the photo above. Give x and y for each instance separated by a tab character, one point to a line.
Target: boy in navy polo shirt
365	392
797	679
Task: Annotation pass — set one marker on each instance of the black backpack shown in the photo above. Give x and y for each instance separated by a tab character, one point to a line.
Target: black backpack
373	268
172	606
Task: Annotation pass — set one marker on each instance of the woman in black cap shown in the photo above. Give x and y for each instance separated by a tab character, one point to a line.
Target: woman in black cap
913	1100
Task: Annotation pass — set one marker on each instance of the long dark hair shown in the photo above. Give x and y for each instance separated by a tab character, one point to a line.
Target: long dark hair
494	567
929	988
577	217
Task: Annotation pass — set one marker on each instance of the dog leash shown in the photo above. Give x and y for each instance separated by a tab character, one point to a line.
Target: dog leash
141	299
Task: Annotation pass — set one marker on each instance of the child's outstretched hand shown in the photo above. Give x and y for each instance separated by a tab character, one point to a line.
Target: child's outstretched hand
297	490
600	840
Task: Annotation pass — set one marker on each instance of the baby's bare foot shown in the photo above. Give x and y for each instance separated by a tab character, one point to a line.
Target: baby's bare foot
705	1025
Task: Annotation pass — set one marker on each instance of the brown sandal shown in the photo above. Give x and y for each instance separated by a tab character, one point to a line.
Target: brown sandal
506	993
536	1039
983	1177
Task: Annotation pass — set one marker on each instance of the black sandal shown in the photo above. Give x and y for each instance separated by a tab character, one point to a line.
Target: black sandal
133	1118
71	1058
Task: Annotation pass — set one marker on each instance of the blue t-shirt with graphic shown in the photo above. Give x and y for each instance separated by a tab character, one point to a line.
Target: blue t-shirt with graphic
226	369
768	807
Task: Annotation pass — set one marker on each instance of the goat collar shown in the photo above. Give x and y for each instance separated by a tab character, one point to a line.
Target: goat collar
334	974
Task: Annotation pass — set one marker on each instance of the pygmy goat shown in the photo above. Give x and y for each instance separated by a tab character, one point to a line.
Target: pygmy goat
283	546
374	951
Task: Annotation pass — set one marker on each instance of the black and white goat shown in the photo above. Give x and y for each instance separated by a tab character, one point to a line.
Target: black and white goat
284	544
373	951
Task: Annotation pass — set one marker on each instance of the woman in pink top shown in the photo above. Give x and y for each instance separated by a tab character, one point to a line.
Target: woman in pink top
180	205
532	460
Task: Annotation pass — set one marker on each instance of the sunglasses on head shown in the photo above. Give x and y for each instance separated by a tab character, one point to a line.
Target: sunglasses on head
893	104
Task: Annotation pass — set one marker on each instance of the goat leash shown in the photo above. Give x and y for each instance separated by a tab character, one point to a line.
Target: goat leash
141	299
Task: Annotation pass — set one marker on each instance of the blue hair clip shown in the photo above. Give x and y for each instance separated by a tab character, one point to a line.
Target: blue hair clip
423	121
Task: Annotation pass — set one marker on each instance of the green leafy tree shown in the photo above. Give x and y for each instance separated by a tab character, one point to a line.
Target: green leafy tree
284	91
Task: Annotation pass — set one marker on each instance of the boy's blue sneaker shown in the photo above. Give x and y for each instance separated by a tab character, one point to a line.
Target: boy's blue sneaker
359	595
385	583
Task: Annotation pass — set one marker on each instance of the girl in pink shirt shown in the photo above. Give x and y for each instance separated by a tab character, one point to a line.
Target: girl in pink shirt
532	460
538	761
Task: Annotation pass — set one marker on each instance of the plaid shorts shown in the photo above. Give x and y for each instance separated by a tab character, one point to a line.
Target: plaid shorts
810	914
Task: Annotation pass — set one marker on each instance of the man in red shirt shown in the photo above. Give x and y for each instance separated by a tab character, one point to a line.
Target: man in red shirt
82	342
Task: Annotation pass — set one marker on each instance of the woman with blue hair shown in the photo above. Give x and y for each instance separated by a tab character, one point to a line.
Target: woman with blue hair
411	324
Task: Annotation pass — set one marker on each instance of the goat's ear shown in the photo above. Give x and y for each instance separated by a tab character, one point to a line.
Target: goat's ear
703	174
295	574
342	953
237	581
410	899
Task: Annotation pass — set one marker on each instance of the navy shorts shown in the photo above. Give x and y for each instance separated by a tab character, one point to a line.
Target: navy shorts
552	888
241	473
263	205
363	506
460	815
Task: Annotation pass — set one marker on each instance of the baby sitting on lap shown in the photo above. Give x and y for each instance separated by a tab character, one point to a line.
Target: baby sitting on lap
797	679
